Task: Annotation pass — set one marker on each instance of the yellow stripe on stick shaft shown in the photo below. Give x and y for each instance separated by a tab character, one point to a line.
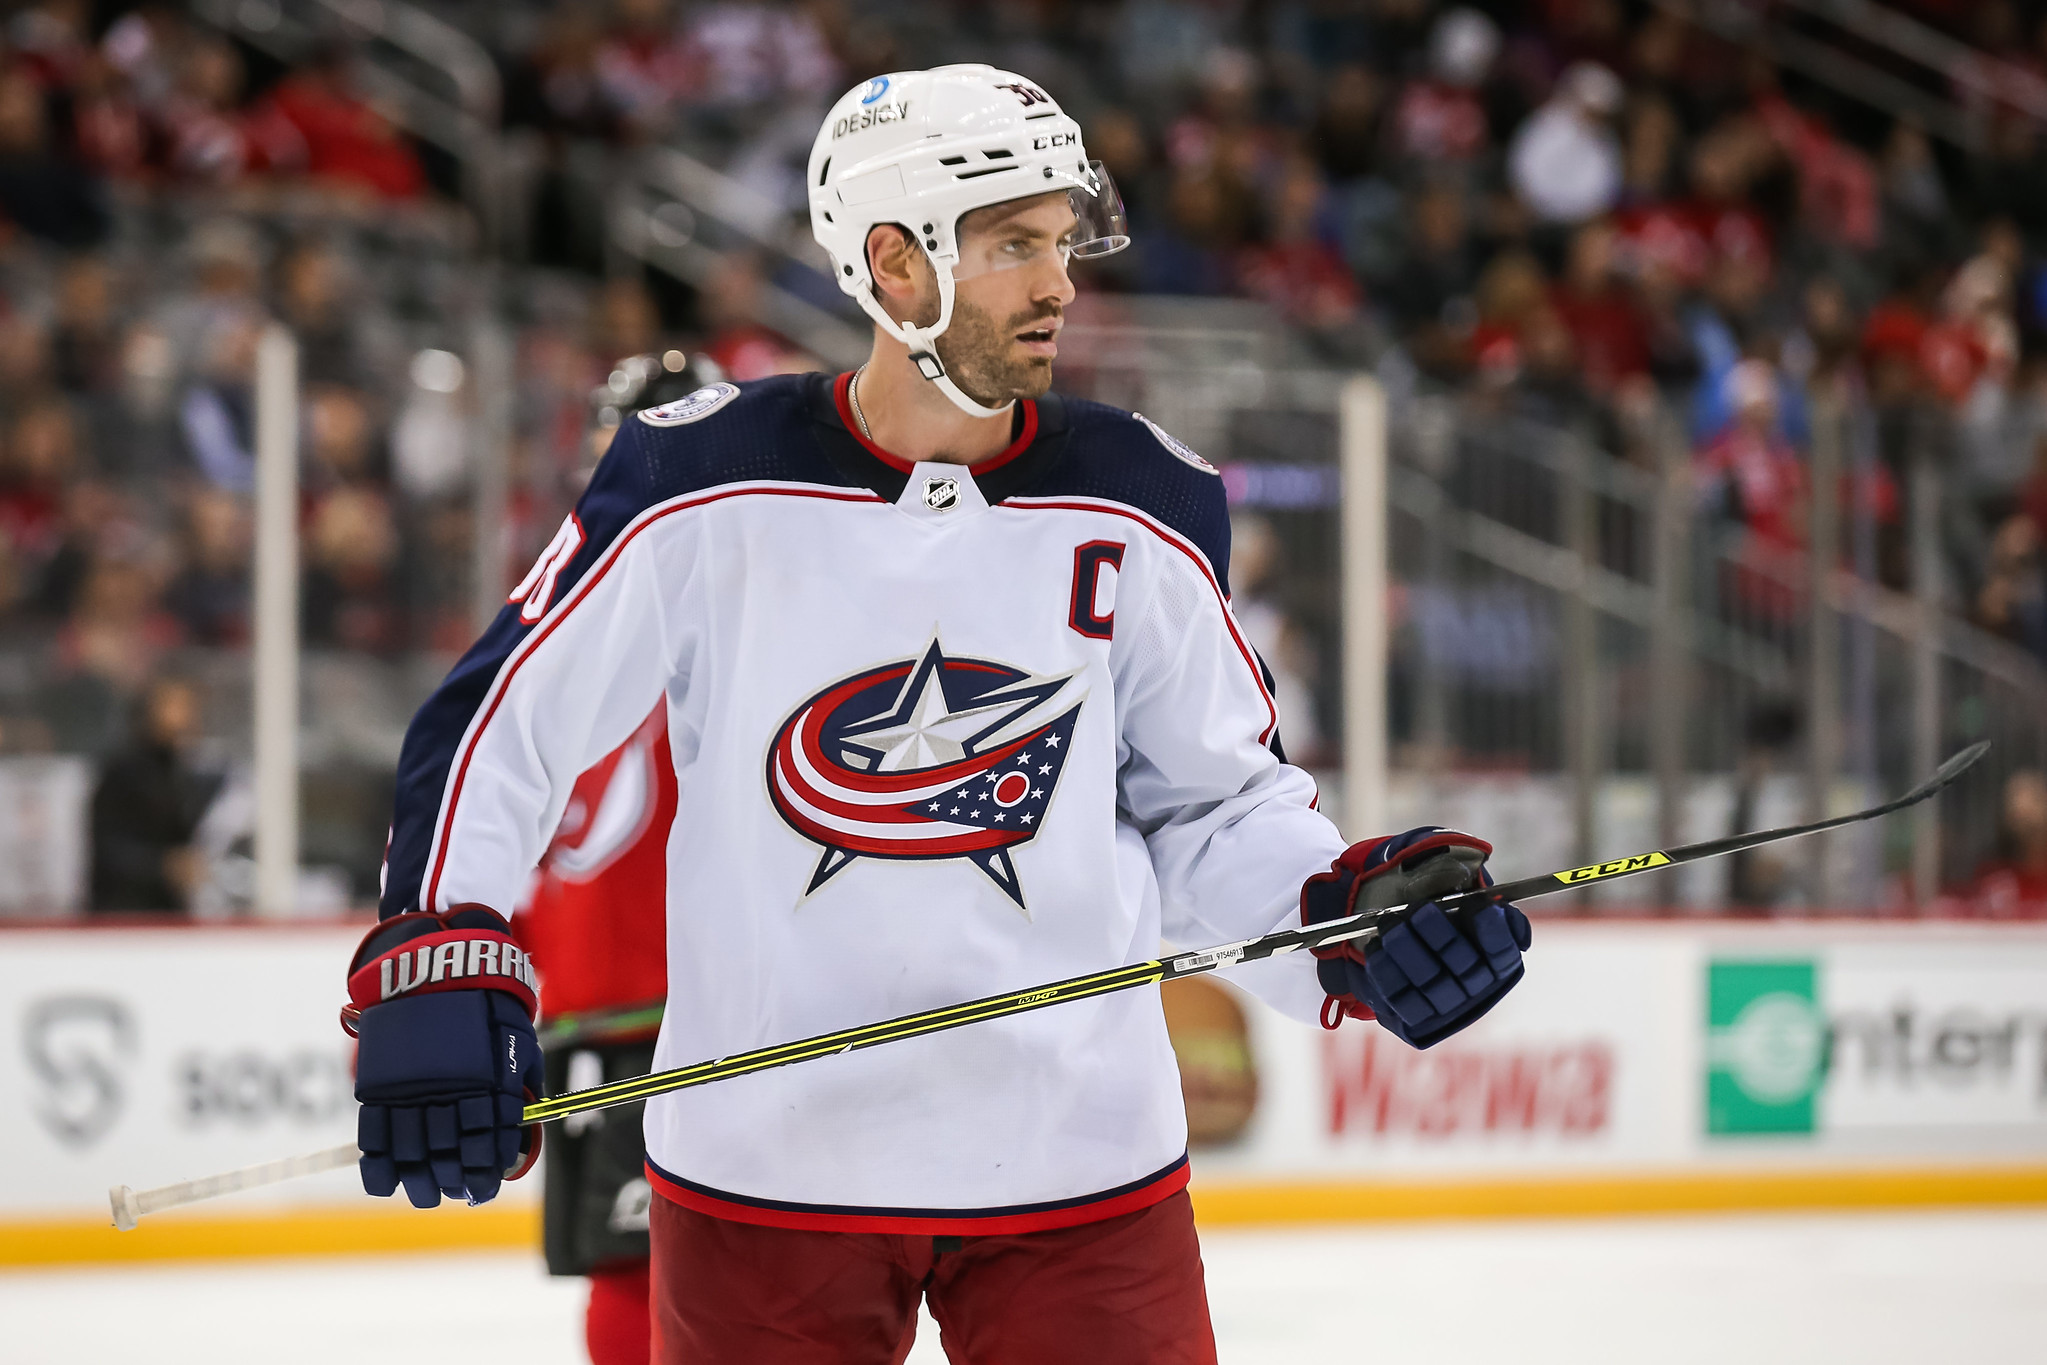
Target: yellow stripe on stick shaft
846	1040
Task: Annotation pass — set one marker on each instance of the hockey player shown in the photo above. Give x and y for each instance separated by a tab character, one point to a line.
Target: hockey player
956	705
595	920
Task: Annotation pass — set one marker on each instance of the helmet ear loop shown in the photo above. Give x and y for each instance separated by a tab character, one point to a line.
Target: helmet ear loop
923	341
935	370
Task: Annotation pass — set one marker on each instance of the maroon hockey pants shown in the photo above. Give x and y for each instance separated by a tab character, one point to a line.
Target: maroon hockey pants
1126	1290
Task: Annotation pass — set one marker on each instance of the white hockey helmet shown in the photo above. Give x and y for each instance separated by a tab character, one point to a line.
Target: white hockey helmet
919	149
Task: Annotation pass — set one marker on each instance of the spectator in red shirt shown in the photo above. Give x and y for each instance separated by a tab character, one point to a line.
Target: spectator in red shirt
108	129
1894	334
1691	238
1295	268
1438	120
2033	492
1837	183
643	67
1758	480
206	135
346	142
1611	339
1975	338
1511	290
2013	599
1763	477
730	308
2013	884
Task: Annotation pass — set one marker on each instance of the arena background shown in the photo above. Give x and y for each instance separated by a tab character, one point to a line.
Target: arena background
1634	417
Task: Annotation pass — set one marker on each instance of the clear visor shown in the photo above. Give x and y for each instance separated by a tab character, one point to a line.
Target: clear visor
1037	233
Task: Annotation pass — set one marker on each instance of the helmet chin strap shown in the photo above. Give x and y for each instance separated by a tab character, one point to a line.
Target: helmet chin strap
923	342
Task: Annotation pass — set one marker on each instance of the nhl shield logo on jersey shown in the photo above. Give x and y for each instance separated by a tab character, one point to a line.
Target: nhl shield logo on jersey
941	495
927	759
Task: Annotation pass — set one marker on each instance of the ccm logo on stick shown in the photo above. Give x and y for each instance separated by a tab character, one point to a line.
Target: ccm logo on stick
1085	615
1618	865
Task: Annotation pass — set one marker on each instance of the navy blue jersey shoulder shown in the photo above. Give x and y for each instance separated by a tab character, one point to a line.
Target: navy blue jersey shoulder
762	434
1119	457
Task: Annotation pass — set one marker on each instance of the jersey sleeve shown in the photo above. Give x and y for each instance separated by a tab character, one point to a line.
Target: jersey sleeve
569	668
1232	829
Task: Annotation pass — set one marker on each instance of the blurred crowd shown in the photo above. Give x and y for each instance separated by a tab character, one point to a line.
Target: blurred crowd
1587	212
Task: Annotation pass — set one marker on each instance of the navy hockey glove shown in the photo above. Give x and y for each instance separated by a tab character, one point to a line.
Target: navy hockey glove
442	1006
1426	977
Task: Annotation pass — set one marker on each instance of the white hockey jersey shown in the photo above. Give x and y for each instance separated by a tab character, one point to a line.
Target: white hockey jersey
938	733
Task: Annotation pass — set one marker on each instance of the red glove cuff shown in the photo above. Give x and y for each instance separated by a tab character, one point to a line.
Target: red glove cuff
1360	863
470	956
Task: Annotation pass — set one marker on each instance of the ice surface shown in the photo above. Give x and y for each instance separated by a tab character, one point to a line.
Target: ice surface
1870	1288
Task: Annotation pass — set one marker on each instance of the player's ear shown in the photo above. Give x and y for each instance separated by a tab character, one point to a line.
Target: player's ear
902	276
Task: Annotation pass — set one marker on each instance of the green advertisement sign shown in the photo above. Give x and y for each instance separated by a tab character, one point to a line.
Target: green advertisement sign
1766	1046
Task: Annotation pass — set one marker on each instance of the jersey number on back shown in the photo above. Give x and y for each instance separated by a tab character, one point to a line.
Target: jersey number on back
536	589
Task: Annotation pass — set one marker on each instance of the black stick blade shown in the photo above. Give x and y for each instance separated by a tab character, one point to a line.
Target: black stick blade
1943	777
1947	772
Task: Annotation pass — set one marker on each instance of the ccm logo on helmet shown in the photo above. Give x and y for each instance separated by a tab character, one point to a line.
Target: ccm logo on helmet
1047	141
863	119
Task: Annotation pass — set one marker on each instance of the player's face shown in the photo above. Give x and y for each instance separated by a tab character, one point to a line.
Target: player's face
1010	295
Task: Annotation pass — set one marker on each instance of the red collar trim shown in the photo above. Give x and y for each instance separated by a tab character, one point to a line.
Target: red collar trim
843	386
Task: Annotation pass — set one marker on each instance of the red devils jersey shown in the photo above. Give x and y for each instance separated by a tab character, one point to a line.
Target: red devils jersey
596	921
937	733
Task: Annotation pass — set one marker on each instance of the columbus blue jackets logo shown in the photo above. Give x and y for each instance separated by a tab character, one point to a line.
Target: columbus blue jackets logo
1181	450
694	407
929	758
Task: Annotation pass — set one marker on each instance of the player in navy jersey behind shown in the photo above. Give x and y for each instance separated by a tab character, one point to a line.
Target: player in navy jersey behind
956	705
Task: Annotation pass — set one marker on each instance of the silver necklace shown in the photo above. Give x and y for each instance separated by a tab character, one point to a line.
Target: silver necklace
853	396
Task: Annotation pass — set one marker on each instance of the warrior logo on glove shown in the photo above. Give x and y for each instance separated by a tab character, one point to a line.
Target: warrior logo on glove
442	1006
927	758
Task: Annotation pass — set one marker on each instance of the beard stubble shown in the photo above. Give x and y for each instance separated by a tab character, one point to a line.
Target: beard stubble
977	354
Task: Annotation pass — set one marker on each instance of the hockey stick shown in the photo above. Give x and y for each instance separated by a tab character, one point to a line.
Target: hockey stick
1158	970
130	1206
583	1028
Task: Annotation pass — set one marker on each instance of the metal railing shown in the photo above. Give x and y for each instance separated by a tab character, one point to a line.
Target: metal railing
1860	51
1986	78
1588	645
424	74
673	212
